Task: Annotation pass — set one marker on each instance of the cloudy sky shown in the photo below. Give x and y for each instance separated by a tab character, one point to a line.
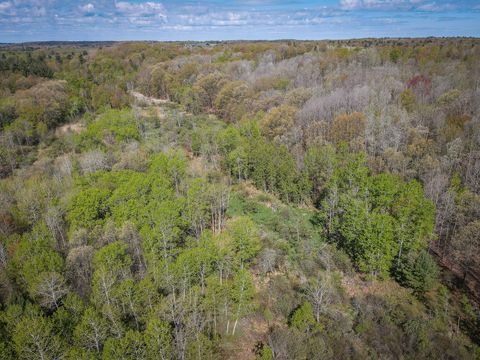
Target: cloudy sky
34	20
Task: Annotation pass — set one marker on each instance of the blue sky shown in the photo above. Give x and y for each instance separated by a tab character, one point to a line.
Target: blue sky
35	20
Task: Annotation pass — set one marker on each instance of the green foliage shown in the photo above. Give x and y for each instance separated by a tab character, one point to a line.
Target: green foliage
278	121
88	208
112	127
272	169
34	338
408	99
244	239
27	65
91	332
37	263
131	346
303	318
171	166
158	340
420	273
265	354
112	258
380	221
415	217
368	237
320	164
229	101
7	111
395	54
242	293
153	233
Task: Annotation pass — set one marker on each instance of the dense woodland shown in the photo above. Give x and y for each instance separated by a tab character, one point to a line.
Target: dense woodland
242	200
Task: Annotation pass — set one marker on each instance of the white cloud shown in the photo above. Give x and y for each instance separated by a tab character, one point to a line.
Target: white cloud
378	4
5	6
198	17
87	8
350	4
251	18
27	8
436	7
149	8
142	14
421	5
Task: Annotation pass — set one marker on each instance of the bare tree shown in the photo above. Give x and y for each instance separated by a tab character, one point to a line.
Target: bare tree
3	256
79	269
54	220
268	259
219	199
130	235
50	288
320	293
93	161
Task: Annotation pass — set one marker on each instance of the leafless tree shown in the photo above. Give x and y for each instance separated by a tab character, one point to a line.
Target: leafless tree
320	293
93	161
3	256
79	269
49	289
268	259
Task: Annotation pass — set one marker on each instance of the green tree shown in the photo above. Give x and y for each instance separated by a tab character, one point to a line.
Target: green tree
266	353
375	247
278	121
420	273
415	220
303	318
319	167
408	99
92	331
272	168
197	209
131	347
88	208
172	166
112	265
34	338
158	340
110	128
40	267
161	236
244	241
242	293
395	54
230	101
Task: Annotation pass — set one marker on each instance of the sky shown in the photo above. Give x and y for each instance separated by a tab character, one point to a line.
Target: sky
72	20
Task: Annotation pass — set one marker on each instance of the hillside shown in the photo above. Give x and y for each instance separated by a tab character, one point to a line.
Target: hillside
240	200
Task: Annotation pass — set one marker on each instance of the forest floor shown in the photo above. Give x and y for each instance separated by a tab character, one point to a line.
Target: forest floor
69	128
469	281
253	330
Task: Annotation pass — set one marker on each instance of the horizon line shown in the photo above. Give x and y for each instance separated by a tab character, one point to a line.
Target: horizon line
245	40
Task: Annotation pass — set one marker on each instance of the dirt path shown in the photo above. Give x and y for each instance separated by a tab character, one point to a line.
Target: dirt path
148	100
74	128
148	106
140	99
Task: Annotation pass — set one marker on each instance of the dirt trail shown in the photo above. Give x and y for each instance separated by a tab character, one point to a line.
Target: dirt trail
148	100
69	128
149	106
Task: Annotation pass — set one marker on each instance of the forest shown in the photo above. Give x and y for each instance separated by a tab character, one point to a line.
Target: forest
240	200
